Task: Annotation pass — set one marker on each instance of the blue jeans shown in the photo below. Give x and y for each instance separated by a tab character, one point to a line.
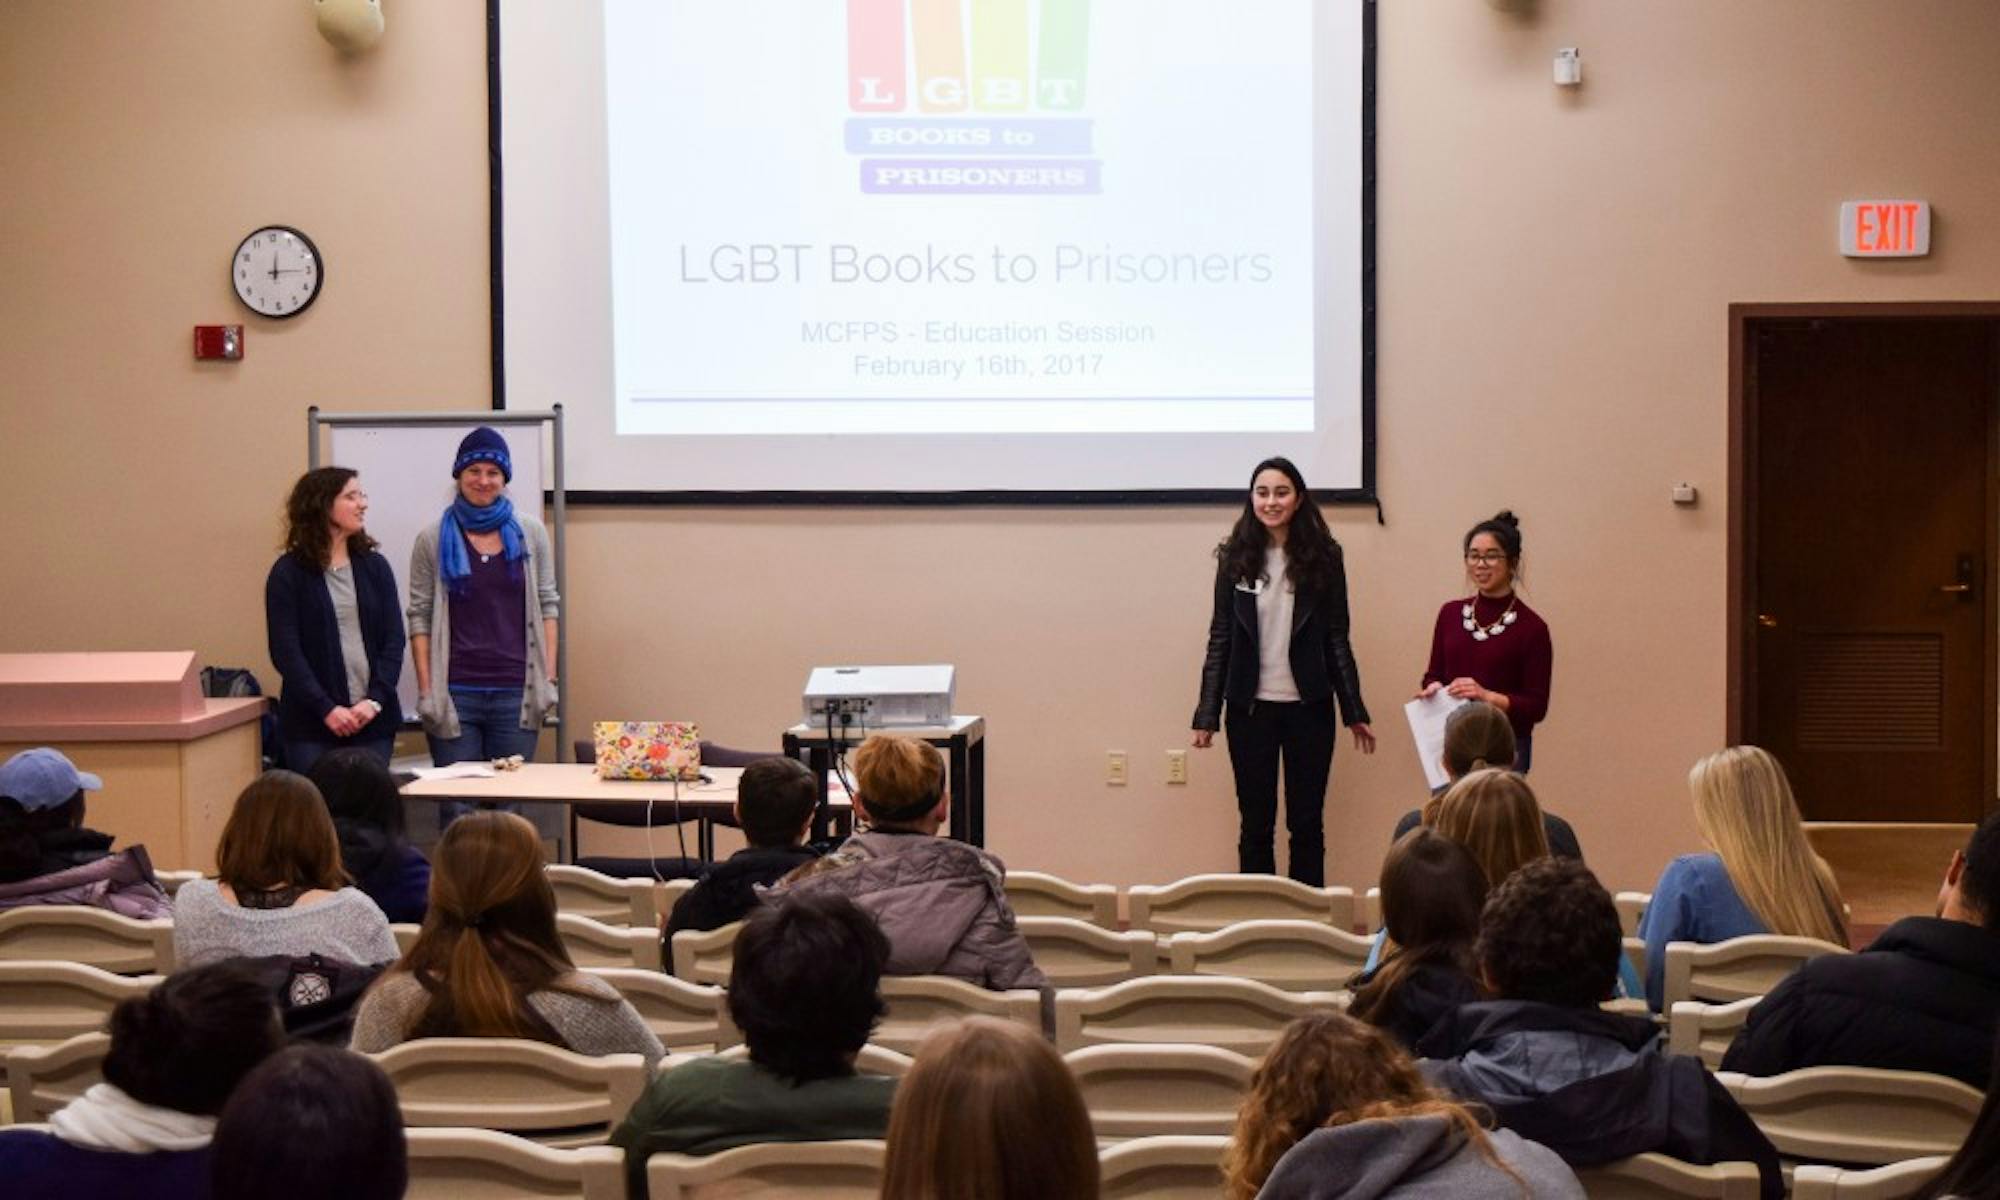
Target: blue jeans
489	727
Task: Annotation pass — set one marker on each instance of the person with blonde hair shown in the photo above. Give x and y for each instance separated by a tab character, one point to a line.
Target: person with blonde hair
1759	875
1476	736
279	886
1493	813
1338	1109
989	1112
489	963
941	903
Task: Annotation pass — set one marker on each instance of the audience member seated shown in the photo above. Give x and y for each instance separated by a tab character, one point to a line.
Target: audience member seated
176	1054
804	988
989	1112
1552	1066
312	1123
941	903
1974	1172
46	854
1338	1110
1476	736
1759	876
279	886
367	811
488	962
775	801
1432	891
1923	997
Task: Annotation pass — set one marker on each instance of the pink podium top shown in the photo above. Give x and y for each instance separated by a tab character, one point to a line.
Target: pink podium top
114	696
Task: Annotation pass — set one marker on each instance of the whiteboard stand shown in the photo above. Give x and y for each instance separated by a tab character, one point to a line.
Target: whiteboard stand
404	448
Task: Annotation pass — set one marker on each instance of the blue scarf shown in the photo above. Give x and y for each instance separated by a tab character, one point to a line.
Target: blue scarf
465	517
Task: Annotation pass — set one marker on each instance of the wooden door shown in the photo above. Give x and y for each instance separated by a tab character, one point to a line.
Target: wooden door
1870	501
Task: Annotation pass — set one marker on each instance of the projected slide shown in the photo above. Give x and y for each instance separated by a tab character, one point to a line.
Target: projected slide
957	217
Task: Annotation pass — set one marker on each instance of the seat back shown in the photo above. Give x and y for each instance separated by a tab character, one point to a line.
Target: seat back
1137	1091
850	1170
871	1059
1162	1168
920	1003
1033	894
1892	1182
602	898
1202	903
1234	1014
484	1164
1368	911
513	1085
79	933
170	881
1705	1030
47	1002
1076	953
1657	1177
1298	956
705	956
1738	968
1631	906
41	1079
595	944
405	933
680	1014
1857	1114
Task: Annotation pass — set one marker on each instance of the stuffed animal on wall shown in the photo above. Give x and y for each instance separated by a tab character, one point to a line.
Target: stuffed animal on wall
351	25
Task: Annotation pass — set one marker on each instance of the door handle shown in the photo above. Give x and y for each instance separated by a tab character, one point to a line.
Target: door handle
1955	588
1963	578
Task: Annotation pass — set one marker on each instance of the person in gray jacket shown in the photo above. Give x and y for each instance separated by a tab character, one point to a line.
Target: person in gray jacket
941	903
1338	1111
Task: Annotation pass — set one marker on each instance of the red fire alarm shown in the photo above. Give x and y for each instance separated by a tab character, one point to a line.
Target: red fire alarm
218	341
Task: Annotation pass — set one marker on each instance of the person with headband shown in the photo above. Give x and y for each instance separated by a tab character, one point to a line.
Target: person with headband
482	617
1489	646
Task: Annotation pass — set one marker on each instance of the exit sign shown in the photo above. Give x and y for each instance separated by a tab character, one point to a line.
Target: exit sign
1885	228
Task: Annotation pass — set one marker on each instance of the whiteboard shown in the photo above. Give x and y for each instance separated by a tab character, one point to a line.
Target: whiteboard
406	473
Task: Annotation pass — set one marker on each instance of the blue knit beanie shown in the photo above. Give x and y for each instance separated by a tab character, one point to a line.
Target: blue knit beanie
484	445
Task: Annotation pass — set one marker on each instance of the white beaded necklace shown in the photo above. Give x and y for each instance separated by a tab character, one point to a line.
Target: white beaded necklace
1481	632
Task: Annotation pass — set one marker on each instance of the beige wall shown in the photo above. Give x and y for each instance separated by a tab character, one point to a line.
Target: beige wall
1555	269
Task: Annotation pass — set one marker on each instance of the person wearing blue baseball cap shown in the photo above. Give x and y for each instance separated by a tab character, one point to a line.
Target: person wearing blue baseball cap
41	816
482	616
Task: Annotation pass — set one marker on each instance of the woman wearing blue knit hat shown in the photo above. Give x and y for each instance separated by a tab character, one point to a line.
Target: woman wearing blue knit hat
482	616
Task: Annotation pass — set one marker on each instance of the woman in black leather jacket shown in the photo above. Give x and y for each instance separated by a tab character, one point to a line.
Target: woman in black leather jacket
1278	656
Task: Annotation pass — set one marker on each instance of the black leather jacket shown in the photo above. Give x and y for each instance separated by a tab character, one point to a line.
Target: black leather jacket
1322	661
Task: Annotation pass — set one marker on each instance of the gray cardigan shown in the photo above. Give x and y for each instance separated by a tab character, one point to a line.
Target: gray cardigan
607	1024
430	616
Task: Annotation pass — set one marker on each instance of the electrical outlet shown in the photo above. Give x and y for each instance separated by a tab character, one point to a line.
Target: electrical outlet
1114	768
1176	766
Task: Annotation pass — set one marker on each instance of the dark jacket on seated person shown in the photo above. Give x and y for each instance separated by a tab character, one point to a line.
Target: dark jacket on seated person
1925	996
1424	997
727	891
1592	1086
388	870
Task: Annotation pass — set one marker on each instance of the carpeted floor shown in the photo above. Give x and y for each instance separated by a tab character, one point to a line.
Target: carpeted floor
1887	871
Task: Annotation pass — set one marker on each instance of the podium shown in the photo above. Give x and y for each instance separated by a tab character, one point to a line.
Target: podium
172	760
963	740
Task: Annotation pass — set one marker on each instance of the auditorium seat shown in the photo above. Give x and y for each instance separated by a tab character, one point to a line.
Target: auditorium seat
920	1003
80	933
1298	956
1076	953
46	1002
680	1014
1738	968
483	1164
871	1059
1135	1091
1631	906
555	1096
850	1170
595	944
1857	1115
1893	1182
704	956
1162	1168
1235	1014
1705	1030
1657	1177
602	898
1033	894
1203	903
41	1079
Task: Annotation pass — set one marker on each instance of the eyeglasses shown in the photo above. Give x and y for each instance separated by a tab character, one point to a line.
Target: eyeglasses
1485	558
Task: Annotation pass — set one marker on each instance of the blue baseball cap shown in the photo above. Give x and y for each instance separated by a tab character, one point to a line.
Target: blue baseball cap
42	778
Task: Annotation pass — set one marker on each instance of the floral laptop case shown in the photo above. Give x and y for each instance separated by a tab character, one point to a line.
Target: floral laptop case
648	750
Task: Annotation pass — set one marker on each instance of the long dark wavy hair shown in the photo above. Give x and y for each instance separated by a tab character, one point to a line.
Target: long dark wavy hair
1311	554
309	517
1432	893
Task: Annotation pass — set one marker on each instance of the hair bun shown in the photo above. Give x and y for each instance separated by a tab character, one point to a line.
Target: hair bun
1506	517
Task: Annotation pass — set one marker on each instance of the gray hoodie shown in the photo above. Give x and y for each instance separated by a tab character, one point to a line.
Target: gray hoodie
1415	1157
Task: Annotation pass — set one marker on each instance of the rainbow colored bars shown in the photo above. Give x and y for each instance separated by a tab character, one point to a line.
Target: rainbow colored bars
980	96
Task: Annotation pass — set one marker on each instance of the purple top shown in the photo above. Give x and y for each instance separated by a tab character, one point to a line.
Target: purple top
1516	663
489	626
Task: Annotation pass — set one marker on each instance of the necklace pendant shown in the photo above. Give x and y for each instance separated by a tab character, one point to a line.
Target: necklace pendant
1470	624
1508	619
1479	635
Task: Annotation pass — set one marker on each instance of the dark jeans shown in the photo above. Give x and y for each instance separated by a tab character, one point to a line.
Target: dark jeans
1261	735
302	752
489	727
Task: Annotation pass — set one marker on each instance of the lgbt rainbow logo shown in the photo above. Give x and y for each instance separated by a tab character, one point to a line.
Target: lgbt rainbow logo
970	97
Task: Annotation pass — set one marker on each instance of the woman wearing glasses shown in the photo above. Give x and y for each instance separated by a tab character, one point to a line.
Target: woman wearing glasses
1490	646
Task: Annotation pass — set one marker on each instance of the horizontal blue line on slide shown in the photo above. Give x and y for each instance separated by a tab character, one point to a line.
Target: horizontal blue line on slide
1010	135
956	399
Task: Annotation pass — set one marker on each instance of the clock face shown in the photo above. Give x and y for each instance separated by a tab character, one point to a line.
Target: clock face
277	271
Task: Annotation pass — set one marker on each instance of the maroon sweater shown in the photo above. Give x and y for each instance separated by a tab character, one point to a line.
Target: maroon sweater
1516	663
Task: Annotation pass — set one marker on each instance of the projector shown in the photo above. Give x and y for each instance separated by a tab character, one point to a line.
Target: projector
879	697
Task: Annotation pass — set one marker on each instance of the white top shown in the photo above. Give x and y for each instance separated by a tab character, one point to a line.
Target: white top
1274	631
346	925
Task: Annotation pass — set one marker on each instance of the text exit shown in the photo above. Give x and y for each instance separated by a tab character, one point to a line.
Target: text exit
1885	228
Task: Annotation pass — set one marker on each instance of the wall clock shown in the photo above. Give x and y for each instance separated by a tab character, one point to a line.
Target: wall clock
277	271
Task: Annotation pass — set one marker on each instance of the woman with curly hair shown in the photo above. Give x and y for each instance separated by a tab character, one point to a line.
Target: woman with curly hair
488	962
1337	1109
1278	656
334	619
